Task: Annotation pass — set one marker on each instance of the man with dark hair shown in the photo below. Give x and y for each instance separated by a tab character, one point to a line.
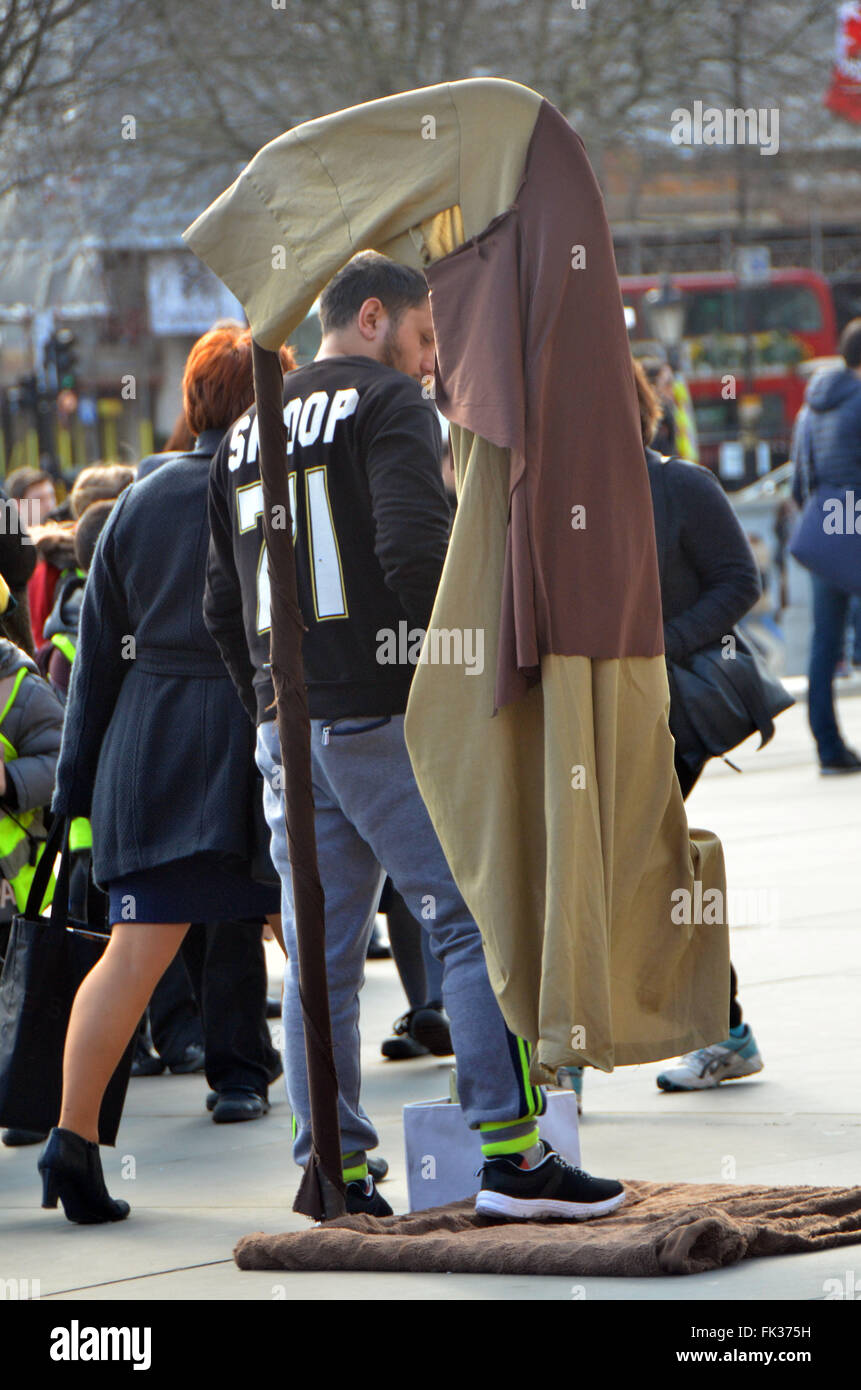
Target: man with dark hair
826	448
371	524
372	276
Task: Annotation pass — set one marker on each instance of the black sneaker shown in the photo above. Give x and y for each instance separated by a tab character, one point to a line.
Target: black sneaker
402	1047
378	949
419	1033
550	1190
192	1058
431	1027
145	1062
364	1197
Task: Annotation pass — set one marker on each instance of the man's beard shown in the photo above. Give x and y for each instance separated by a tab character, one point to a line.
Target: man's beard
390	351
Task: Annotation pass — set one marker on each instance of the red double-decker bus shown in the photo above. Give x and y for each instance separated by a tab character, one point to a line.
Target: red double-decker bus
742	347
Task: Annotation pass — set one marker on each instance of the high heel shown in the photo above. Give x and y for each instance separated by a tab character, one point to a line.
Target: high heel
50	1191
71	1169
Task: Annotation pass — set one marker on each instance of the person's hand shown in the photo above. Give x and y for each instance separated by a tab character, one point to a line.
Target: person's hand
2	773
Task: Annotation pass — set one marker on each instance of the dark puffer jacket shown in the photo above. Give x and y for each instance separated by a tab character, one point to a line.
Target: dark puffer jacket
64	622
826	442
34	727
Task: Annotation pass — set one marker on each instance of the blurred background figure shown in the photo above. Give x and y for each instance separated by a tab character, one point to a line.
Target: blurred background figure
676	431
424	1029
60	631
826	450
34	489
31	727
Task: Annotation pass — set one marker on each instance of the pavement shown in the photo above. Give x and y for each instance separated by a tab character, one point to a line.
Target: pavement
791	842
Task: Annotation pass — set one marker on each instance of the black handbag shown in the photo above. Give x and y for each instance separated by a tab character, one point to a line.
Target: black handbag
46	960
827	539
721	693
724	699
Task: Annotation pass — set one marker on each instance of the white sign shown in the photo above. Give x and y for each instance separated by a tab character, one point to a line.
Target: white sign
753	264
763	457
731	459
183	296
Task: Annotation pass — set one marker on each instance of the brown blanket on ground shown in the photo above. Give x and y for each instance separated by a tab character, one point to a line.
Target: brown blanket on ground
663	1228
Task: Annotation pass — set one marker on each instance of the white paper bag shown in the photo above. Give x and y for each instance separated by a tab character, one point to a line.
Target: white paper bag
444	1156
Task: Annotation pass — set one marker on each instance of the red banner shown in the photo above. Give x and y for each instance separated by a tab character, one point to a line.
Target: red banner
844	95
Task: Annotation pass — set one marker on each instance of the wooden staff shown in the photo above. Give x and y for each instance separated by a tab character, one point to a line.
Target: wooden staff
321	1191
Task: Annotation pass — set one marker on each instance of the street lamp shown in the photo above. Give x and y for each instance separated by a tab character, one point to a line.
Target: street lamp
666	310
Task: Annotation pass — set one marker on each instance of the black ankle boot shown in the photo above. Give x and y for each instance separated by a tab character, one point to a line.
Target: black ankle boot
72	1170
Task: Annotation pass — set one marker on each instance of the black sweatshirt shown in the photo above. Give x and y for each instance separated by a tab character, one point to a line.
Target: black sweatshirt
364	450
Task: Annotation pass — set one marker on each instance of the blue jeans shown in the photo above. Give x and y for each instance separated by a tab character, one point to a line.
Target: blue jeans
830	611
368	814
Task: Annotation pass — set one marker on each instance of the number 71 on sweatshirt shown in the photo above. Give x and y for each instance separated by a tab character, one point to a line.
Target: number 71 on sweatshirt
327	579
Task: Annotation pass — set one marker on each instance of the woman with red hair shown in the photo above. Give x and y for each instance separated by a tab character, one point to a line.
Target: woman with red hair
158	753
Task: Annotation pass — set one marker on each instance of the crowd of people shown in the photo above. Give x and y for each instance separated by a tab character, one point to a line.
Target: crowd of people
137	702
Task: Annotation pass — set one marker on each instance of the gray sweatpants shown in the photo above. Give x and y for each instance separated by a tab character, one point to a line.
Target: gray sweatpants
369	814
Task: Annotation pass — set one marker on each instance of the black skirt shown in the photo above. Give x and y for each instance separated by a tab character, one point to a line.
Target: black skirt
202	888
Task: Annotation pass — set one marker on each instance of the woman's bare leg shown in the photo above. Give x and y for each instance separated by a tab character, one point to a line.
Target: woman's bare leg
273	921
106	1012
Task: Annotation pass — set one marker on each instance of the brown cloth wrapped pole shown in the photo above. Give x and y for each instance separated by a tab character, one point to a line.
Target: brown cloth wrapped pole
321	1191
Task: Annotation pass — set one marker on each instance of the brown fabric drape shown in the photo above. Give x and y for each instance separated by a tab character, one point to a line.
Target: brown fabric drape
321	1192
663	1228
533	356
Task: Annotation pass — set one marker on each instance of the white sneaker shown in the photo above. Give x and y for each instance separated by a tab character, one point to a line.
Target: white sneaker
699	1071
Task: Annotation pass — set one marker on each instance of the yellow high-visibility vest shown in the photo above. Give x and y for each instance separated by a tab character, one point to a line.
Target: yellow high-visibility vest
80	831
64	644
687	446
20	852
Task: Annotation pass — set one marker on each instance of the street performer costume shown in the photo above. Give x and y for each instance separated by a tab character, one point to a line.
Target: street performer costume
548	775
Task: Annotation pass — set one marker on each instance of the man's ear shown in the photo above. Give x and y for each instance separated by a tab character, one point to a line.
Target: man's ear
370	320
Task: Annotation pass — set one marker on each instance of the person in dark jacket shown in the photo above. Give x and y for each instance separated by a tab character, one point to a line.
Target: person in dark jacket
55	558
61	628
826	448
709	581
210	1004
158	753
31	726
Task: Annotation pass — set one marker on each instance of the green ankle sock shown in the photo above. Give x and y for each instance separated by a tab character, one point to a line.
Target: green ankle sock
354	1172
509	1138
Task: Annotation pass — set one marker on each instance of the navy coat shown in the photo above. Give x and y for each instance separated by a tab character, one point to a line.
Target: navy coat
157	749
